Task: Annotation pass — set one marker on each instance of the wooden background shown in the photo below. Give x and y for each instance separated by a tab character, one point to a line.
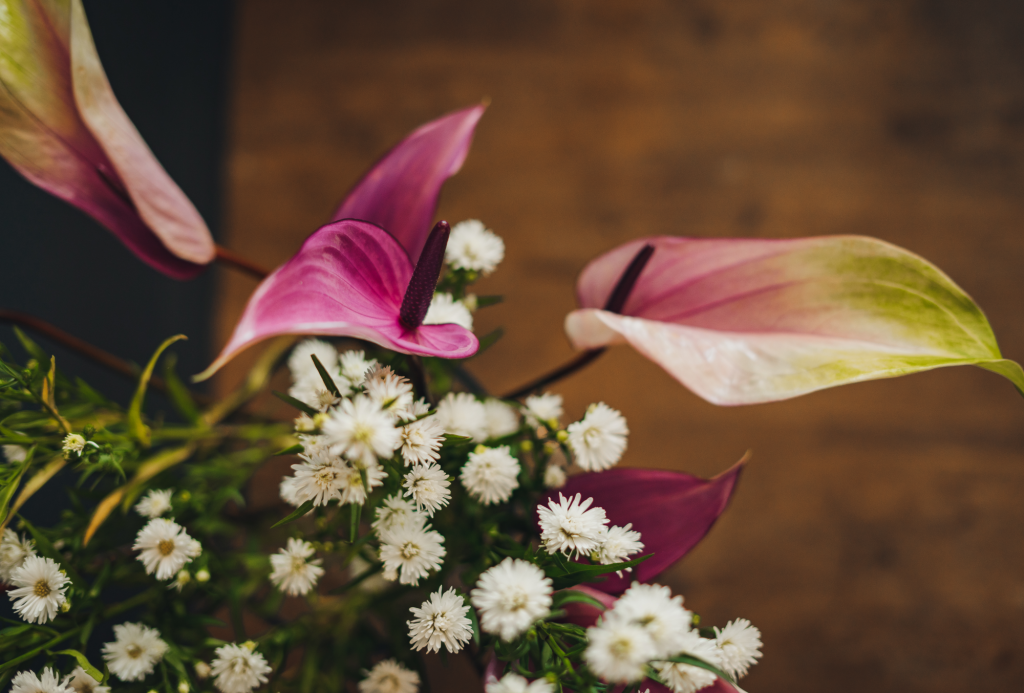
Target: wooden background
876	539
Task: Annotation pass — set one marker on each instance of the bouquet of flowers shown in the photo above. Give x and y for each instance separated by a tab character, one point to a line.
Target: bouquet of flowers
420	514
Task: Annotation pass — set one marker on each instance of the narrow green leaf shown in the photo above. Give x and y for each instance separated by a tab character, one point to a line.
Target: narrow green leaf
326	377
484	301
295	514
33	349
354	522
180	396
291	450
83	662
135	424
7	492
695	662
574	597
301	406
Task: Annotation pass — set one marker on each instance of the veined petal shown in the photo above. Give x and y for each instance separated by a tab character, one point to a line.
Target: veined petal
348	280
48	68
400	192
741	321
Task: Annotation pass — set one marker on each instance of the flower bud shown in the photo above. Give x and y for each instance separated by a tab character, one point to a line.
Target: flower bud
203	575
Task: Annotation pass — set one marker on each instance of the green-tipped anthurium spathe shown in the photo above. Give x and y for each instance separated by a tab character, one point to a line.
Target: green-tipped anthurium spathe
742	321
62	128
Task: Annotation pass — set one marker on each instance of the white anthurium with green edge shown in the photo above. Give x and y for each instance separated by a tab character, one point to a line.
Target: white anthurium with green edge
743	321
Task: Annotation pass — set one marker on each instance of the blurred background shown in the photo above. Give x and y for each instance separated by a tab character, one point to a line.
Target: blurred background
876	538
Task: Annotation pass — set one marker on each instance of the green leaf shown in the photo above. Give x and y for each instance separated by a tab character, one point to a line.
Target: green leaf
484	301
562	578
574	597
7	492
301	406
326	377
33	349
291	450
695	662
83	662
295	514
180	396
135	424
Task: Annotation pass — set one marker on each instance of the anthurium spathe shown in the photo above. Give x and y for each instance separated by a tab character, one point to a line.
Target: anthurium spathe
742	321
62	128
352	279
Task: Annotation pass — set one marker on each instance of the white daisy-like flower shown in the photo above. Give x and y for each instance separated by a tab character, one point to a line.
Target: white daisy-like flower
472	246
14	453
238	668
354	488
304	423
599	439
617	545
80	682
618	652
653	608
740	645
569	527
390	391
543	408
421	440
554	476
49	682
361	431
135	652
510	597
502	419
441	620
355	366
73	444
410	553
397	512
390	677
414	410
293	572
490	474
165	547
290	493
155	503
319	478
428	486
300	362
313	392
14	549
445	309
40	585
462	414
514	683
686	678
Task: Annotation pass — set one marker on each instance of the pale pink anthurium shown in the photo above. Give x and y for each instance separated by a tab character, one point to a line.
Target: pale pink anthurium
62	128
352	277
742	321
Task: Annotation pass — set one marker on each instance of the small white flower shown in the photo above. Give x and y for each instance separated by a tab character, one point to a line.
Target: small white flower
353	488
40	589
653	608
502	419
354	366
569	527
462	414
290	492
514	683
361	431
740	645
543	408
390	677
14	453
304	423
165	547
472	246
441	620
391	392
410	553
617	545
421	440
73	445
397	512
155	503
238	668
300	362
135	652
510	597
428	486
618	652
13	552
445	310
293	572
686	678
319	478
313	392
202	671
49	682
414	410
554	476
180	580
80	682
490	474
599	439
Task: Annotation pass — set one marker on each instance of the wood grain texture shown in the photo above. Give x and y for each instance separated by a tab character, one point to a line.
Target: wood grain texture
876	538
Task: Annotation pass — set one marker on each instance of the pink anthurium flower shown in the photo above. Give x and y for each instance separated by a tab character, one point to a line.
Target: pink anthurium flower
62	128
671	510
742	321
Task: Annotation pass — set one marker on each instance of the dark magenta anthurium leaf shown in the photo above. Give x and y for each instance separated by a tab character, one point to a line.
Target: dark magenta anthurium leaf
400	192
671	510
742	321
347	280
62	128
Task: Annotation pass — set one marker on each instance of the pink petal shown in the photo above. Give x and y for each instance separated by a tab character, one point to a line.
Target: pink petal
348	279
741	321
671	510
101	166
400	192
583	614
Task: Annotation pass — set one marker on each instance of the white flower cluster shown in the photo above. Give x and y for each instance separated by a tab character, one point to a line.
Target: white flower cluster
648	626
571	527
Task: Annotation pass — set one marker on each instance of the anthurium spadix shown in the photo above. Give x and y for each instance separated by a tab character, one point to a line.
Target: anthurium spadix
62	128
741	321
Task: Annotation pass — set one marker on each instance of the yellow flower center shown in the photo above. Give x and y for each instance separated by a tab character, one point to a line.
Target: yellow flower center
42	589
165	547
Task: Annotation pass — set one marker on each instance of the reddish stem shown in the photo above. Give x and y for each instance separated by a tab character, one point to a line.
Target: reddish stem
235	260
